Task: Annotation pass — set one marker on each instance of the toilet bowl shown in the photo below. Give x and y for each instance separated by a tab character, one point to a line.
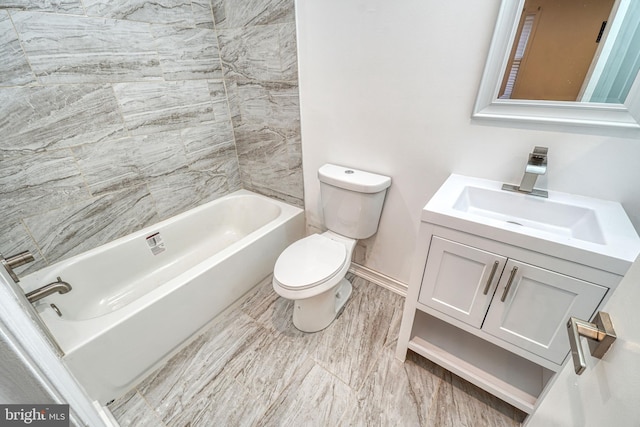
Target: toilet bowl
311	271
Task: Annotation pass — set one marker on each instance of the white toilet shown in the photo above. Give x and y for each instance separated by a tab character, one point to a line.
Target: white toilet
311	271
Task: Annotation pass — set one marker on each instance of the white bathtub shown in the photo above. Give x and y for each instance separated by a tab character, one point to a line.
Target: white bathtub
134	302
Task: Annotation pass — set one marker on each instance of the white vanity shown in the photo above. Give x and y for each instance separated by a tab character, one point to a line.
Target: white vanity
498	274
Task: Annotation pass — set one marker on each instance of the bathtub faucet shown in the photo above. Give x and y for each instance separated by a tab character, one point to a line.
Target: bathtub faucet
46	290
16	261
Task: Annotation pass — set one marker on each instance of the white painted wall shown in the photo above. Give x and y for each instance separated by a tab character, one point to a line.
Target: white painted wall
608	391
389	87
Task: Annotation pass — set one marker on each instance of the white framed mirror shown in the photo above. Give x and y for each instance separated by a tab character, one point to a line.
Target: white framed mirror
620	118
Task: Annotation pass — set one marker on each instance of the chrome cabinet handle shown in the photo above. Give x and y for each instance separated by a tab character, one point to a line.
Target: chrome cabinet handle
506	289
493	273
600	333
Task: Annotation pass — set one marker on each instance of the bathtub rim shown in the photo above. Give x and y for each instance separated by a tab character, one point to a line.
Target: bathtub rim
74	334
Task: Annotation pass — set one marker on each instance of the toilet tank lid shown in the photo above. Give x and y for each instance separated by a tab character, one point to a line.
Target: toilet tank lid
353	179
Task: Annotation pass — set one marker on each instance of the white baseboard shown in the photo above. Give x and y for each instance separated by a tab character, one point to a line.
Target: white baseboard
379	279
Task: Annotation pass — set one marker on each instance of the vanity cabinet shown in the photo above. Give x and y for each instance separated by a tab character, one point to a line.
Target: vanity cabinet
496	276
495	313
522	304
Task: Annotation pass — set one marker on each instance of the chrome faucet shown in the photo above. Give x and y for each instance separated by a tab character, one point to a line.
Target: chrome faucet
537	165
46	290
16	261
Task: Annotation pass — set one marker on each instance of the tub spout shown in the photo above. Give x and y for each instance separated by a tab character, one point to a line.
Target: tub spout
46	290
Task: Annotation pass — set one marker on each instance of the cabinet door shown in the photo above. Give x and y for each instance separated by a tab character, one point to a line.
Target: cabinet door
460	280
532	306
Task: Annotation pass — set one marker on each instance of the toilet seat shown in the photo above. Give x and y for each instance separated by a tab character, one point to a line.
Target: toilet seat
309	262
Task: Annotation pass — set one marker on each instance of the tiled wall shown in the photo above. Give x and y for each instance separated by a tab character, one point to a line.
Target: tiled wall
116	114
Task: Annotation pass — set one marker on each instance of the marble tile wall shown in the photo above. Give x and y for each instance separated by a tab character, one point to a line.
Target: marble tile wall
116	114
257	42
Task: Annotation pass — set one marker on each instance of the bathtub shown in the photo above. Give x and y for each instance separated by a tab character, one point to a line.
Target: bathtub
136	299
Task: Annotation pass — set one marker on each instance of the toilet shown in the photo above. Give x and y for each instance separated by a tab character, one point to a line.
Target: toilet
311	271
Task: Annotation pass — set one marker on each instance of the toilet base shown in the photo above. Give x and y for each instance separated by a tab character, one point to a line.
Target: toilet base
316	313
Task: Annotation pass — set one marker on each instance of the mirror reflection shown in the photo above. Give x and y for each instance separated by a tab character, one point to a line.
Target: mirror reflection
574	50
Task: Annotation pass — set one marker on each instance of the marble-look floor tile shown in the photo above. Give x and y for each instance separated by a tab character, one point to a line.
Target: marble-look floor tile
187	53
38	182
38	118
14	68
202	14
156	107
184	384
72	49
225	403
345	347
249	368
73	229
459	403
116	164
58	6
176	12
275	314
268	364
243	13
131	410
395	394
313	398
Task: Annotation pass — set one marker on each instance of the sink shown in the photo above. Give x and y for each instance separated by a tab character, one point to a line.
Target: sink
564	219
587	230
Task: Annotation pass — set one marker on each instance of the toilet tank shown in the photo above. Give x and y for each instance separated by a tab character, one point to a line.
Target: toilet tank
352	200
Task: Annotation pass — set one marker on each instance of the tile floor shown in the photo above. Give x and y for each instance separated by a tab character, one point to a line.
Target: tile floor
251	367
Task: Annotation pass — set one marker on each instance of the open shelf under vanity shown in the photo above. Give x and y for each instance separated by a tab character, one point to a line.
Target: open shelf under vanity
504	374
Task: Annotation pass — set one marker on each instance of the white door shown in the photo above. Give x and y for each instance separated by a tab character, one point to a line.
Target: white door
608	391
459	280
531	308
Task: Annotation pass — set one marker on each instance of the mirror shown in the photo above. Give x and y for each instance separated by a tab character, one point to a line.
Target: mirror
519	86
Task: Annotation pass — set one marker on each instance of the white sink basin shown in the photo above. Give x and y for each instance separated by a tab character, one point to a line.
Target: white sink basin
565	225
533	212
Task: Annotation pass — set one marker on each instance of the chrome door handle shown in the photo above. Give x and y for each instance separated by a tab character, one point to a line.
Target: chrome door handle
600	333
509	283
490	279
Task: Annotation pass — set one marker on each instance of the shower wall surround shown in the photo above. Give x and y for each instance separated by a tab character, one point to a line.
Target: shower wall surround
116	114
